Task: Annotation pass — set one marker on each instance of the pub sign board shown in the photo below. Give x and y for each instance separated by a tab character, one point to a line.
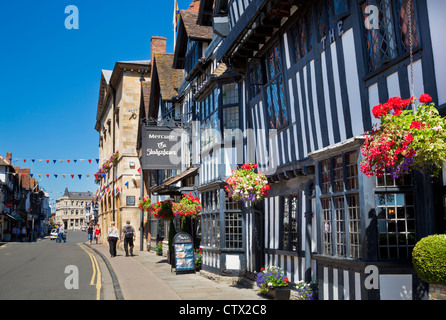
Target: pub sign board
184	252
161	148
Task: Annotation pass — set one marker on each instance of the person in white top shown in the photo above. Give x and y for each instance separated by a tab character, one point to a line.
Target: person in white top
60	236
112	237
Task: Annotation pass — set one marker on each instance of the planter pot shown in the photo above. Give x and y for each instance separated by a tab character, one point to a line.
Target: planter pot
279	293
159	252
437	292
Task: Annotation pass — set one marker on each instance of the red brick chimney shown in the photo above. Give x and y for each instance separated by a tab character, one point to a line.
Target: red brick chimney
194	6
9	157
157	45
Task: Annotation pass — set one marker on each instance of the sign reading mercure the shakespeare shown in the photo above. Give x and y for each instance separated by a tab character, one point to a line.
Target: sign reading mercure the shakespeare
161	148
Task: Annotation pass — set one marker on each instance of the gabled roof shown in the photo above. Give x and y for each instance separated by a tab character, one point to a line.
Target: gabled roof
193	30
165	81
169	79
189	29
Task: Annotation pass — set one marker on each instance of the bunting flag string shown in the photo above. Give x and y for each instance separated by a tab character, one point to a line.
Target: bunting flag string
80	176
60	160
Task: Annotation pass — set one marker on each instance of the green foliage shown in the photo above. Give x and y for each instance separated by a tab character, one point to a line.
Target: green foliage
429	259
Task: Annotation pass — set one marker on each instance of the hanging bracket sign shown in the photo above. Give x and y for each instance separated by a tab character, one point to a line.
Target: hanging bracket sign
161	148
184	252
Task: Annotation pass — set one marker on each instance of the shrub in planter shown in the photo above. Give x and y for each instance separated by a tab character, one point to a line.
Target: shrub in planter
429	259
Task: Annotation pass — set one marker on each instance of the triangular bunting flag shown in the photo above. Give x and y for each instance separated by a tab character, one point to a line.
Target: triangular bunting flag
80	176
127	184
31	175
63	176
75	161
89	160
24	160
97	160
55	175
68	161
47	161
33	160
54	161
72	176
47	175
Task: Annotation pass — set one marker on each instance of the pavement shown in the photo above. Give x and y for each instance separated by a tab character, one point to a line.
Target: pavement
147	276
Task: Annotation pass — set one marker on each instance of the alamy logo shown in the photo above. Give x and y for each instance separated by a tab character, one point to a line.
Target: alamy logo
72	280
72	20
372	17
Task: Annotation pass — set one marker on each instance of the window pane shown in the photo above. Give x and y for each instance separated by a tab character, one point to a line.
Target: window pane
286	223
338	179
354	225
230	93
327	220
326	183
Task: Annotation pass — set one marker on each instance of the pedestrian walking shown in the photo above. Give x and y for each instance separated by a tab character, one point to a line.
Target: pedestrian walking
23	234
90	230
128	236
14	233
97	233
112	237
60	235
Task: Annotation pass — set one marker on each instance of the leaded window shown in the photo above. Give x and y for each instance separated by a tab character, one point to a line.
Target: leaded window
388	38
209	120
289	226
230	111
341	214
302	36
275	89
396	217
255	80
211	218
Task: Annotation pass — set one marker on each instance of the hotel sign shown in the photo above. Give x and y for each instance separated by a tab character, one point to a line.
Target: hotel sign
161	148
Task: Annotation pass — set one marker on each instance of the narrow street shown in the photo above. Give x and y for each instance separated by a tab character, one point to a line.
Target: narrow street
46	270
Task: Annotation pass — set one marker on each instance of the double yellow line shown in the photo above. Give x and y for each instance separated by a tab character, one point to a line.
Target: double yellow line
96	273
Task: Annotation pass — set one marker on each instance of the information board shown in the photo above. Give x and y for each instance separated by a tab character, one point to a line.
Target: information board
184	252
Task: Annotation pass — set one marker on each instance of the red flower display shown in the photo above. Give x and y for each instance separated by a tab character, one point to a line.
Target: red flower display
188	206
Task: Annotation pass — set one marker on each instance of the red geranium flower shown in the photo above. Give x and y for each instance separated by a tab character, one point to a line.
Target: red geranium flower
417	125
425	98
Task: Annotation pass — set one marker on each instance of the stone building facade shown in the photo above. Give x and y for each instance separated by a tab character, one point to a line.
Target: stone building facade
71	208
117	124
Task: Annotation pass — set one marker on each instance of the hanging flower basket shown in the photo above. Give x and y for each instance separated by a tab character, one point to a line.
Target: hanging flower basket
114	157
145	204
407	140
246	185
162	210
189	206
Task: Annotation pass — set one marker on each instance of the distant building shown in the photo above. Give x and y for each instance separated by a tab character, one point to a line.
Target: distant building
70	208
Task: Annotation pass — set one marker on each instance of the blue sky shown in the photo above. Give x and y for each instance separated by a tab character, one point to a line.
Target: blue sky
50	78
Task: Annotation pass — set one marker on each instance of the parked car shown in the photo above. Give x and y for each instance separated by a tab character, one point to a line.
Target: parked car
53	234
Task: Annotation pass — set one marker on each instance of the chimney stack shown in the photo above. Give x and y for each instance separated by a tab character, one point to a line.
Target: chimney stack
157	45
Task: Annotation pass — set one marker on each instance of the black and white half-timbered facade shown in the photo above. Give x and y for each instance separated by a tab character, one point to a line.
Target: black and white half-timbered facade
312	72
290	85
